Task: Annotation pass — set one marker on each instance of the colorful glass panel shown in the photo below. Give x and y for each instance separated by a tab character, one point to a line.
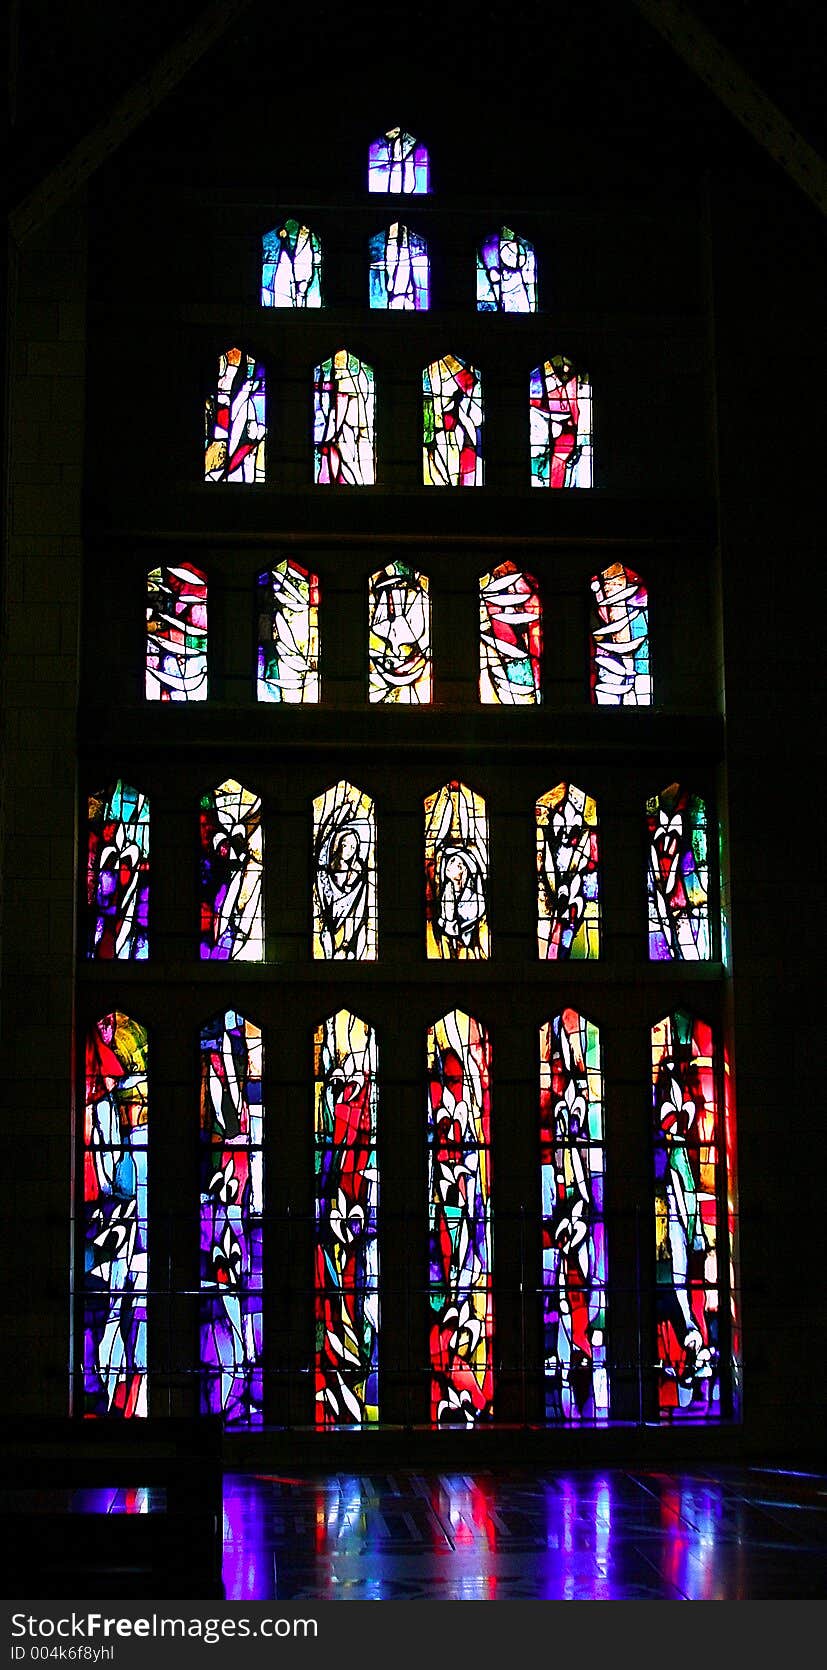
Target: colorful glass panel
620	675
456	874
452	422
288	634
232	1212
235	420
511	638
561	429
399	270
117	874
176	635
344	890
291	267
343	427
678	877
574	1233
347	1204
399	636
568	876
398	163
115	1219
687	1185
506	274
459	1185
232	865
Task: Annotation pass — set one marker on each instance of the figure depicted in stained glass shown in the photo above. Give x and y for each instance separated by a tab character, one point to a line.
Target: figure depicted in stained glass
344	889
459	1185
574	1241
620	674
560	425
568	877
399	271
452	415
117	874
288	634
235	420
399	635
347	1203
687	1184
511	638
506	274
115	1218
232	866
456	874
291	267
176	635
232	1209
343	426
678	877
398	163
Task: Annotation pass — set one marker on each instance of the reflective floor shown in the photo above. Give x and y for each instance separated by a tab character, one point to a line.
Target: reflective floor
730	1533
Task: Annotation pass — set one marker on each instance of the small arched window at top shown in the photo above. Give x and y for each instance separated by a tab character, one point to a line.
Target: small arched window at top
399	164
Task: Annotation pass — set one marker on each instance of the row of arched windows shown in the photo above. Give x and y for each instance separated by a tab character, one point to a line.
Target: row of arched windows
399	636
456	875
689	1221
344	423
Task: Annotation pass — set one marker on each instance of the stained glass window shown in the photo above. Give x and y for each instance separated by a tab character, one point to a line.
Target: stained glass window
399	272
678	877
232	864
452	423
506	274
235	420
574	1236
291	267
232	1211
561	428
456	874
459	1184
347	1204
176	635
344	890
620	675
288	634
343	428
511	638
117	874
568	877
398	163
687	1185
115	1218
399	635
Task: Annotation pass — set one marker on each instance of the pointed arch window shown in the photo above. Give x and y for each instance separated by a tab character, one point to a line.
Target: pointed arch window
115	1279
291	267
460	1218
235	420
511	638
561	425
568	875
452	416
620	674
176	635
456	874
506	274
575	1268
117	874
399	270
688	1181
344	888
288	634
399	635
678	877
232	867
344	426
347	1208
398	163
232	1218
